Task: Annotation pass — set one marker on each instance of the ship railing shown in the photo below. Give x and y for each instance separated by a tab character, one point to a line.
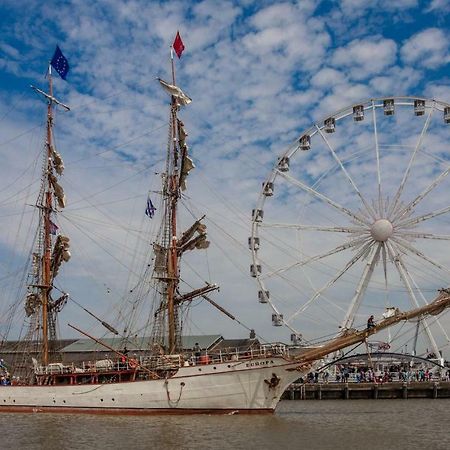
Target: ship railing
237	354
169	361
161	361
96	366
56	369
164	362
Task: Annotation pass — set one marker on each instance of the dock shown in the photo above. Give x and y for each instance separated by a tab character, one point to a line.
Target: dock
358	391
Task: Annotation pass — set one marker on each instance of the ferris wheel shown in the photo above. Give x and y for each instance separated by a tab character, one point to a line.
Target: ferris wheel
354	218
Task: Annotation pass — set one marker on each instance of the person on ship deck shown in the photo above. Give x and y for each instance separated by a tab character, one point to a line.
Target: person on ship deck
197	352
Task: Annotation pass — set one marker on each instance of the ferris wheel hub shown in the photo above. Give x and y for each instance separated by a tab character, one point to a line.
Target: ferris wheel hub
381	230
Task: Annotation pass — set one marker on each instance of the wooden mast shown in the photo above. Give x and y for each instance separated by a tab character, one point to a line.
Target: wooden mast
47	208
177	157
172	266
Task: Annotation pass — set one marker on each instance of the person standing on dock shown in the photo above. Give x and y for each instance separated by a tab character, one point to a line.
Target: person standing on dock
197	352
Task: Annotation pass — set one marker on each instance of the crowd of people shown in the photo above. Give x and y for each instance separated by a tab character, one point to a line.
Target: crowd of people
5	377
345	374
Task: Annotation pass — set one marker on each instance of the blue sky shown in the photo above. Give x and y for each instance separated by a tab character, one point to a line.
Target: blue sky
259	72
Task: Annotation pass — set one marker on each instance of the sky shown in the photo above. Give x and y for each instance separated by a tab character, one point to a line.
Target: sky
260	73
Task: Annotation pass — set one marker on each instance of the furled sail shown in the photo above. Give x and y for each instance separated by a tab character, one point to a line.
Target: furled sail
189	242
59	192
186	162
176	92
60	253
32	303
57	160
186	166
182	134
199	243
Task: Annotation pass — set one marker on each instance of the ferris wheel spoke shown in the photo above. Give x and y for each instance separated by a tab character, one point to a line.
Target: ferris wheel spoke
444	332
361	288
347	175
377	154
424	300
406	277
399	192
414	221
408	234
351	244
394	255
384	259
352	230
361	220
410	248
362	252
411	205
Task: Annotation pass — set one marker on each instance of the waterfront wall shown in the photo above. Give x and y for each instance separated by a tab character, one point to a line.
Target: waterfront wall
354	391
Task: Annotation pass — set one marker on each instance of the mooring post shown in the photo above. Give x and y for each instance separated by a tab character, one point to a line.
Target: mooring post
435	389
346	392
375	391
405	390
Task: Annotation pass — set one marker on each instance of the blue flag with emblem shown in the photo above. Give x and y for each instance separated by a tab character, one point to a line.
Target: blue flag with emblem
150	210
59	63
53	227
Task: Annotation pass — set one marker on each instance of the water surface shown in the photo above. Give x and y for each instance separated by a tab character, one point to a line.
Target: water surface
334	424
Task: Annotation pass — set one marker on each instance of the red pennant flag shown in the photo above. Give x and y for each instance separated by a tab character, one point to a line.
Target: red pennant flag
178	45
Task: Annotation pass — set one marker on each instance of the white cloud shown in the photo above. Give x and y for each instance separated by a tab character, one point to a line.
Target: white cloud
358	8
9	50
327	77
396	81
438	6
439	90
428	48
289	37
366	57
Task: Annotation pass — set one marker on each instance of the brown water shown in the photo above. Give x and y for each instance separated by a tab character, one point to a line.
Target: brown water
310	425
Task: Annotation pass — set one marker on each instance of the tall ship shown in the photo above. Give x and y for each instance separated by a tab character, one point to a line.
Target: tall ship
165	378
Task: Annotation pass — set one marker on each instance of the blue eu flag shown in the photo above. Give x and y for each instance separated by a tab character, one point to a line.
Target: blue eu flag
60	63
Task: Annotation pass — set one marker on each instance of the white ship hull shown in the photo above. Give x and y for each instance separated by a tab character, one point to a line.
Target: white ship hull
233	386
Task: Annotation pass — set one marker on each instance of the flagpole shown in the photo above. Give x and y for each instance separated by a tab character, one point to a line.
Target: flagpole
173	65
